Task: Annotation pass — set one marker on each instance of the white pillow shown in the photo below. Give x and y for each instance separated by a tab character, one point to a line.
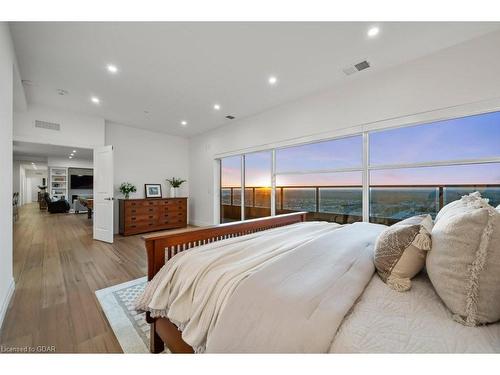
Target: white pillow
464	261
401	249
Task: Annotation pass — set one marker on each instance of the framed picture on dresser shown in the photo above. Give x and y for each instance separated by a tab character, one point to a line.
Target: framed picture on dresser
152	190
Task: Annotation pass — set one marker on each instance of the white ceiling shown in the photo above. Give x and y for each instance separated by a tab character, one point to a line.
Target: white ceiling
177	71
37	151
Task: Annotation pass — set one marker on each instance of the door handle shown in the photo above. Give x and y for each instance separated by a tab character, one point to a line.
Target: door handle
109	199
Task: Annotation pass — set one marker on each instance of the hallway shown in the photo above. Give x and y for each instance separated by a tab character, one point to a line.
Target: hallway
57	268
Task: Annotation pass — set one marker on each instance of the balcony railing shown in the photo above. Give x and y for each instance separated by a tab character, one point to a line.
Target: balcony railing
343	204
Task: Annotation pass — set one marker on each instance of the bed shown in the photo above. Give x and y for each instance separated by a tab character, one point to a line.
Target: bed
275	285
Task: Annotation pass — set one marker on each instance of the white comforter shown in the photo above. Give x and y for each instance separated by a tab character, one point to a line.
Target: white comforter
297	303
281	290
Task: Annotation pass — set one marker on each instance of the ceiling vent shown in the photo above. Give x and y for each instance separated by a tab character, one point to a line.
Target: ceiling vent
229	117
356	68
47	125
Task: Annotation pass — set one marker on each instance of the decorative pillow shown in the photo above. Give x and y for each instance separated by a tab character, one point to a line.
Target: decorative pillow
464	263
401	249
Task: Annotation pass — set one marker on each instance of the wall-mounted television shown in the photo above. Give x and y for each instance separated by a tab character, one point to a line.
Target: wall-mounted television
79	181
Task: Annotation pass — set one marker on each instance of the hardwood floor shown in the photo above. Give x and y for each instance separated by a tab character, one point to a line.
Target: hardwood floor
57	269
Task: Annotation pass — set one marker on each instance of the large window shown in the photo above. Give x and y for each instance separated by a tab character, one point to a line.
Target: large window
418	169
408	171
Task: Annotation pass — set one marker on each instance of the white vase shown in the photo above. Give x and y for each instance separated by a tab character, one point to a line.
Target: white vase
174	192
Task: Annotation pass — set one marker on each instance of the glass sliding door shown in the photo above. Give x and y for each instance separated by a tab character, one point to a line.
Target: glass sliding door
258	190
230	189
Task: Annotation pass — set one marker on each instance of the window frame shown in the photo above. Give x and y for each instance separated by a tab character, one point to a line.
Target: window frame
365	168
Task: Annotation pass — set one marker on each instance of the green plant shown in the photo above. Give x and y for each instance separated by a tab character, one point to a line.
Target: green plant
175	182
126	188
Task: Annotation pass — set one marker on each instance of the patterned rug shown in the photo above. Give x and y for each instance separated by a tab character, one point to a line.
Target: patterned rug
129	327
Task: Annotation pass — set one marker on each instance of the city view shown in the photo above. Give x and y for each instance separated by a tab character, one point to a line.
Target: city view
387	205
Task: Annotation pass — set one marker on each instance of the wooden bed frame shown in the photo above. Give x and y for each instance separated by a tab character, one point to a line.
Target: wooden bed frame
160	248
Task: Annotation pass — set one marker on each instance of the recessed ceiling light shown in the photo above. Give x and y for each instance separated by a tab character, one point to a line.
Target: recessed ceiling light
74	151
184	123
272	80
112	68
217	107
373	31
71	157
95	100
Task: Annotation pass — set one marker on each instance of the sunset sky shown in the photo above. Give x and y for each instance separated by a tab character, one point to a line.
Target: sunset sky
457	139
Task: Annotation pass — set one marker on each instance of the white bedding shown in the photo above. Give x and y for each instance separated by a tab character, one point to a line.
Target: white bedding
416	321
194	286
296	303
307	287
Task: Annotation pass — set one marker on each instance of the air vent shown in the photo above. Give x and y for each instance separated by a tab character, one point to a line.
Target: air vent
229	117
362	65
356	68
47	125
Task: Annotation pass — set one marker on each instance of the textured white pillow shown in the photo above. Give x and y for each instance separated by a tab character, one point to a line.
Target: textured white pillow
401	249
464	262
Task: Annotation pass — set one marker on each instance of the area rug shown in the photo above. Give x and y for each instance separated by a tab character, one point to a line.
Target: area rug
129	327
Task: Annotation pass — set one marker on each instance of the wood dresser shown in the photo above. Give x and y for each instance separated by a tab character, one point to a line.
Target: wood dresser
147	215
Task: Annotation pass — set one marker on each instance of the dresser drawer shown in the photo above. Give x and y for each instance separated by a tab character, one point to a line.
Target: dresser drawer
173	220
141	218
174	202
172	215
173	208
142	203
141	226
141	210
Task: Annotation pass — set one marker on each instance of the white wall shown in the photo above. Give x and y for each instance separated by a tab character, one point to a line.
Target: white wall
451	82
142	156
77	130
7	62
69	163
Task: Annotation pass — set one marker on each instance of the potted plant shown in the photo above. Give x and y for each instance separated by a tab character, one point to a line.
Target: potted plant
126	188
175	184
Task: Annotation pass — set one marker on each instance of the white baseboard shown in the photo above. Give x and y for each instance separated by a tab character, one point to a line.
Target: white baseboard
6	301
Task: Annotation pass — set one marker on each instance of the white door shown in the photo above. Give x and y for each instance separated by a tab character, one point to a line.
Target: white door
103	194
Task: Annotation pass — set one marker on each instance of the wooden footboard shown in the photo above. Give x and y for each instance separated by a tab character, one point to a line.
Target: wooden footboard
160	248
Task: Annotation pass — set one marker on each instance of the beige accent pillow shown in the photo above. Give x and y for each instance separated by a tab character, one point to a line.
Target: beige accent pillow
464	263
401	249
